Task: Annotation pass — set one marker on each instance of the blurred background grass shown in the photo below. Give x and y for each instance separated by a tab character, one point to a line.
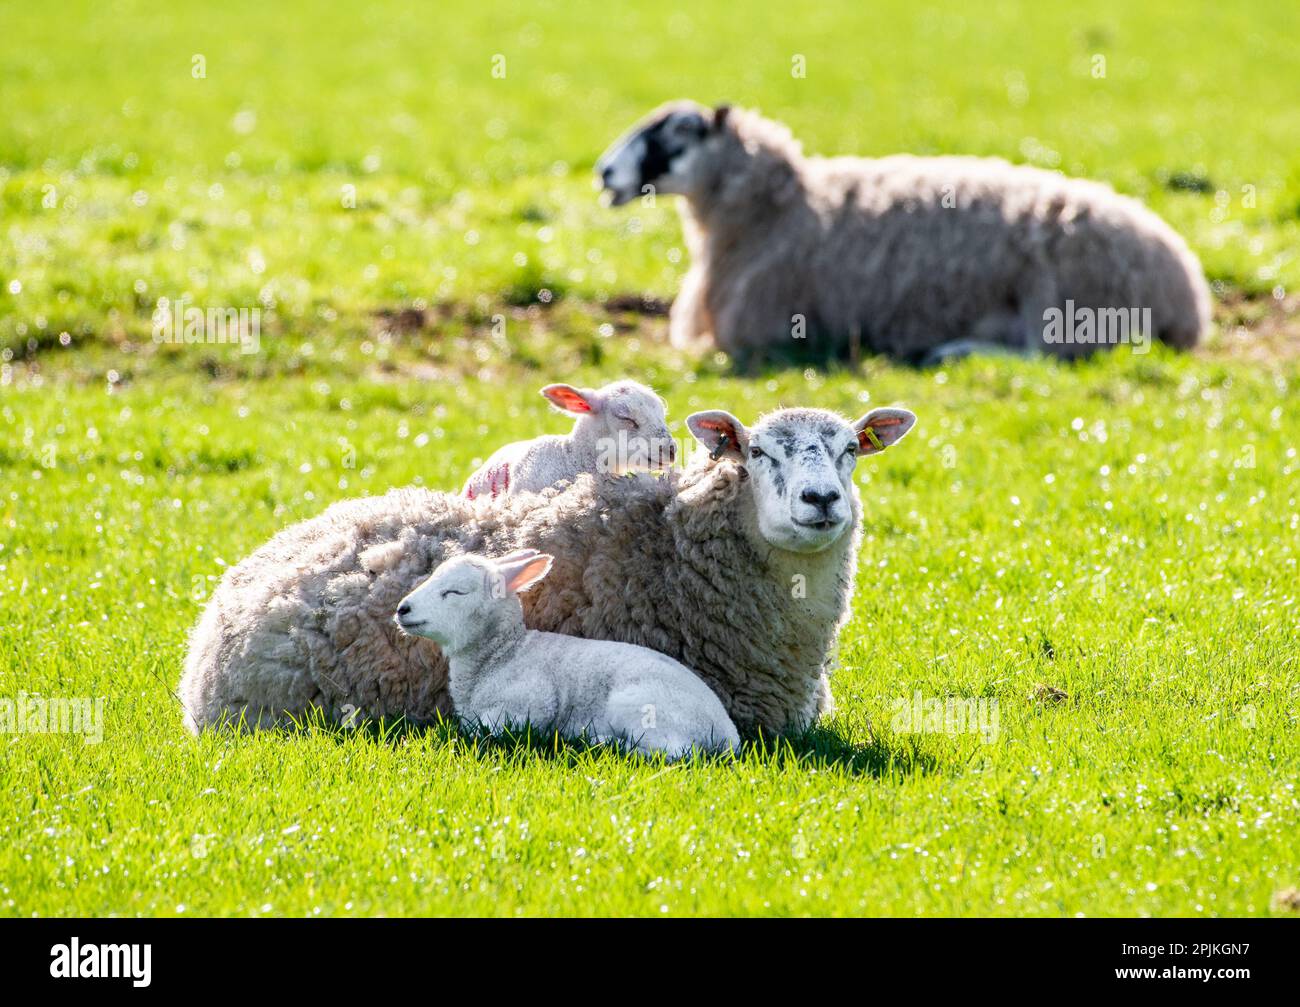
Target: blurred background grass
124	177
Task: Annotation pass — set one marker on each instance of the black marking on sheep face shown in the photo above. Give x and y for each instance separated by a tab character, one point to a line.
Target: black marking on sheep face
650	158
785	440
666	141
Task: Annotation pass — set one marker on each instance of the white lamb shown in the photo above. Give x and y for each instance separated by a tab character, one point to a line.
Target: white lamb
504	674
620	427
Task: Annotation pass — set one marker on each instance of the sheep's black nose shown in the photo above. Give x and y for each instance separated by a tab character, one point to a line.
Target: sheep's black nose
403	609
821	500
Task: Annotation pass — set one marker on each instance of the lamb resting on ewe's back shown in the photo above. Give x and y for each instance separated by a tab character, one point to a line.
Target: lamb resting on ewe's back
619	428
741	568
916	257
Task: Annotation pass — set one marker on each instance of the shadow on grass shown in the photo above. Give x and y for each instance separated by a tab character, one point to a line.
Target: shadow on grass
834	356
822	748
823	352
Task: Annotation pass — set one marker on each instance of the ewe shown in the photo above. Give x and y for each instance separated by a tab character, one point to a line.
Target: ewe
916	257
620	428
501	674
741	569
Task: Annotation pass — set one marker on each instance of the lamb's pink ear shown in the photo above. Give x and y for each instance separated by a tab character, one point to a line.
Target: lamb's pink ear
572	400
516	556
721	434
521	574
882	427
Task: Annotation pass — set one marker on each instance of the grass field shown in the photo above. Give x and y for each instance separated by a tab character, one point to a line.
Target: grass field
1107	553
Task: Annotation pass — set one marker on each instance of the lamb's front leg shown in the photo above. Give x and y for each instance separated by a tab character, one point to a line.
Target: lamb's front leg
529	699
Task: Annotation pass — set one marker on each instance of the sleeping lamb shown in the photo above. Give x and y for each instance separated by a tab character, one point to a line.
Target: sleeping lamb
502	674
619	428
915	257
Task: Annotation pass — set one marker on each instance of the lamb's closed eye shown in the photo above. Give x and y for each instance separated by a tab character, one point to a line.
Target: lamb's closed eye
601	415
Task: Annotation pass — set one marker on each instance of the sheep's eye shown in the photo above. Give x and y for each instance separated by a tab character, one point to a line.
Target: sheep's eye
757	453
851	450
451	591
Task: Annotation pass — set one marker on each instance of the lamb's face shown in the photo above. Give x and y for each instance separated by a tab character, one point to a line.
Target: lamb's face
800	464
623	422
636	432
451	601
469	597
658	154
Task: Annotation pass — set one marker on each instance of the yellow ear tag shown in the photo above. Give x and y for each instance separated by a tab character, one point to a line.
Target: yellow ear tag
871	436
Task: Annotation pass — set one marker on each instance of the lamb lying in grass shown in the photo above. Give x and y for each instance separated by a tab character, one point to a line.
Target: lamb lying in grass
503	674
620	428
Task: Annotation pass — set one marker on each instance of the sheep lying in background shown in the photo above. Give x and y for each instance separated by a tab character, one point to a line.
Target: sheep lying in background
910	256
741	568
502	674
620	428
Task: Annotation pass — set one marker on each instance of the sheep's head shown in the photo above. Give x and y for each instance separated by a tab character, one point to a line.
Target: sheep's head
800	464
659	154
623	422
469	596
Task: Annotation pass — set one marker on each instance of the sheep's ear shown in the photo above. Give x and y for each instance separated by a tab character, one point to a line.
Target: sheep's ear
572	400
882	427
720	117
721	434
521	574
515	557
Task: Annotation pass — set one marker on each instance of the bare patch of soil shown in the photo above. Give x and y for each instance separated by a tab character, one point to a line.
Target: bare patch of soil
1257	327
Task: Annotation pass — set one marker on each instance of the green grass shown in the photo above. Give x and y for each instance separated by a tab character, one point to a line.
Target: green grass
1125	530
466	185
